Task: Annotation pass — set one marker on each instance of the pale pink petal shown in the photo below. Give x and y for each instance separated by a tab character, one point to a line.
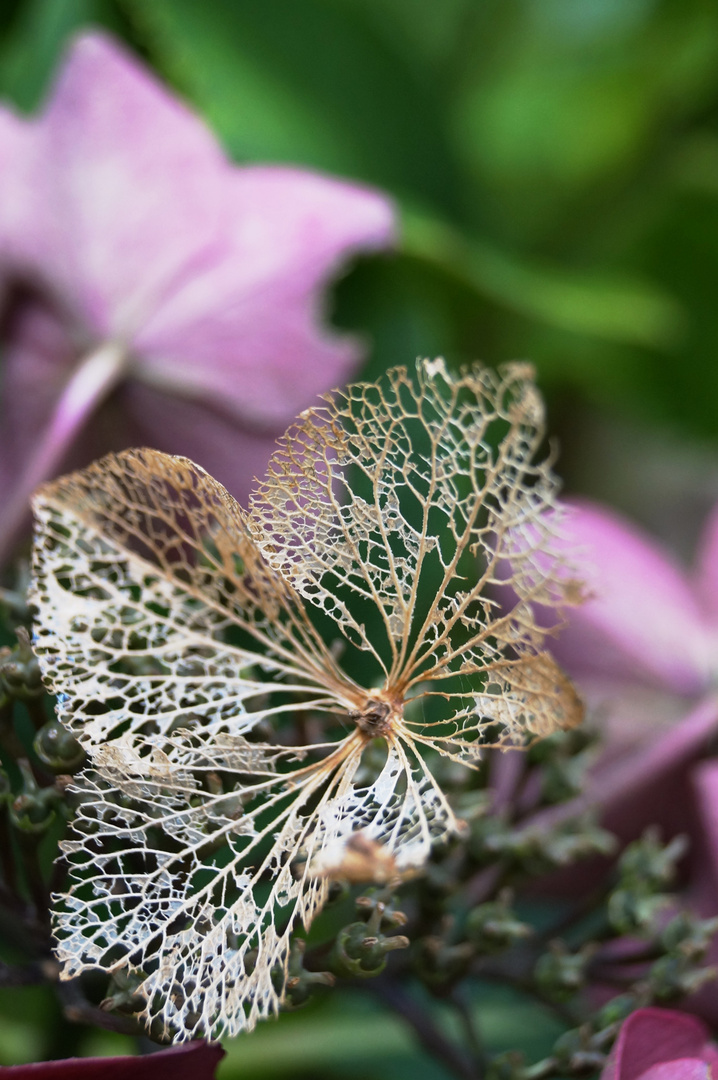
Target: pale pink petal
247	331
129	188
652	1037
642	622
16	204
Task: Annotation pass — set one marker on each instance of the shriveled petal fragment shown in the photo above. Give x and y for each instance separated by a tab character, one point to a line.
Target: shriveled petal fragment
642	619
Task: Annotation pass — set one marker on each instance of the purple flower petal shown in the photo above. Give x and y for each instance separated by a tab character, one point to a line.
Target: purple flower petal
642	622
706	577
193	1061
651	1037
130	190
133	236
705	779
219	335
231	454
18	180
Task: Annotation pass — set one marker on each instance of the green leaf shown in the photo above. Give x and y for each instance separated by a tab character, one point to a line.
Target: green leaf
29	52
594	304
307	83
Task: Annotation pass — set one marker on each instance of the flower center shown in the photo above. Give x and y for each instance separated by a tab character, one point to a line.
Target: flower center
373	719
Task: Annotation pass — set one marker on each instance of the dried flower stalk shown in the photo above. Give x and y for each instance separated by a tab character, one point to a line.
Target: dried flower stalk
187	641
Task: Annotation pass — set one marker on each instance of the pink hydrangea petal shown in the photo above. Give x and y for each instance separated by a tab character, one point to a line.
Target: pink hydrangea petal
705	779
193	1061
247	330
37	361
642	621
232	455
706	576
16	208
133	198
651	1037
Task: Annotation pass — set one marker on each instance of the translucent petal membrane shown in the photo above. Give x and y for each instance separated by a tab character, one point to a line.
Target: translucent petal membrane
256	688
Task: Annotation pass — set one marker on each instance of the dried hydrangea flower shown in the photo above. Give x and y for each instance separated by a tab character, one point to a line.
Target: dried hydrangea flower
235	750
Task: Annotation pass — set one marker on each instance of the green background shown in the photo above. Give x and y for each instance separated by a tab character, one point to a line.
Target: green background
555	166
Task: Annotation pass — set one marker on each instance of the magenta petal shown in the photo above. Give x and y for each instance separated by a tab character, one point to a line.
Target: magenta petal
654	1036
642	621
193	1061
683	1069
132	198
246	330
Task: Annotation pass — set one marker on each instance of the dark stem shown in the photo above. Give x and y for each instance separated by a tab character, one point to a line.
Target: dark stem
527	986
471	1033
431	1038
27	974
37	888
78	1010
7	858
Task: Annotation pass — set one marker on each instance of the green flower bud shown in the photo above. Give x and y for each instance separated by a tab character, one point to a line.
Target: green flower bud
300	983
492	927
615	1011
33	809
675	976
439	963
57	749
632	912
20	673
360	953
507	1066
379	913
560	973
689	935
122	993
649	866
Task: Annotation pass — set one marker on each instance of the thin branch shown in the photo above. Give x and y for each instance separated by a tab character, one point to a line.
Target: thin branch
427	1032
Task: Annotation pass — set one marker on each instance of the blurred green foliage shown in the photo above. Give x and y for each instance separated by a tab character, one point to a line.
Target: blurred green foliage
555	163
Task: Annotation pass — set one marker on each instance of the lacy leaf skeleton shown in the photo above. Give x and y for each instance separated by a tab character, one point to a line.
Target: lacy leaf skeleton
255	688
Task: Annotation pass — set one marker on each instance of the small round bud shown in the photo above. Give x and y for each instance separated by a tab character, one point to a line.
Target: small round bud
58	750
